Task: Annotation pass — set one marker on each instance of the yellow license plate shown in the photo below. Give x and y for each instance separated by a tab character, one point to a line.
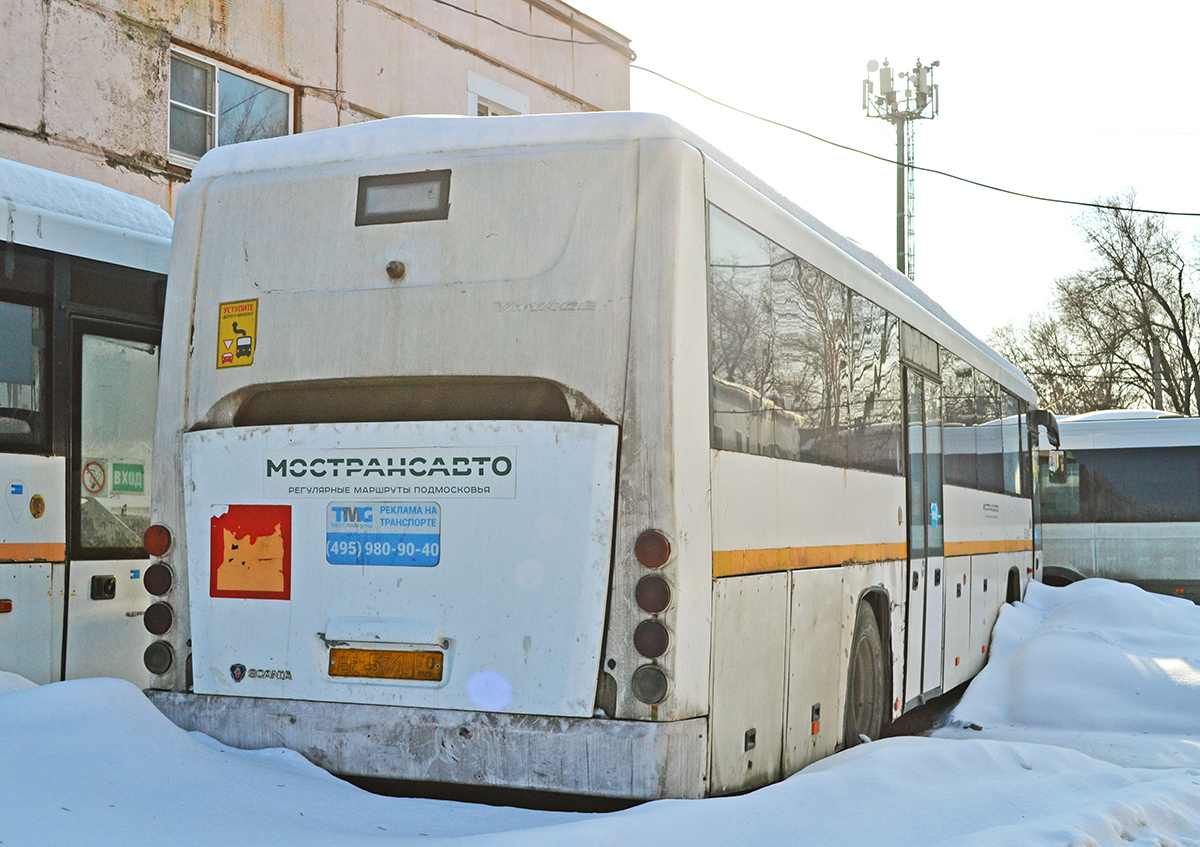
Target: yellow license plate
386	664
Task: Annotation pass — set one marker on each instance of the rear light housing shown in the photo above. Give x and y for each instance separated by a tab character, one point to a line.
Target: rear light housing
652	549
156	539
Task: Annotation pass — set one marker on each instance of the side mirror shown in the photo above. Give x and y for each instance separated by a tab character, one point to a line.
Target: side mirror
1045	418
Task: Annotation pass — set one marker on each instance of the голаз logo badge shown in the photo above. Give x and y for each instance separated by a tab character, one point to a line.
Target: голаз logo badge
238	672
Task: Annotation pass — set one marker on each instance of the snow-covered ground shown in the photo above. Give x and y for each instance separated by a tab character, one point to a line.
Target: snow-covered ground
1084	729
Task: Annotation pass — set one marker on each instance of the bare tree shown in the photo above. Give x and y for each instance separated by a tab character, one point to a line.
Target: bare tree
1122	333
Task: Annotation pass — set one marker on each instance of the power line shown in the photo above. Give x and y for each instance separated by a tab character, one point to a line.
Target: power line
892	162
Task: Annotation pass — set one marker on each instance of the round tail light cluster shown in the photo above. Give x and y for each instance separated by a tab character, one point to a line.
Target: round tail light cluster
651	637
158	578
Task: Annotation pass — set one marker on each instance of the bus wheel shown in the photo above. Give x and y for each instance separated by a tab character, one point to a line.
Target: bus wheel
866	693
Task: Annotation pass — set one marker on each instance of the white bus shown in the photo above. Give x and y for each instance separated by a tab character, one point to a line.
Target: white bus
1121	500
565	456
82	287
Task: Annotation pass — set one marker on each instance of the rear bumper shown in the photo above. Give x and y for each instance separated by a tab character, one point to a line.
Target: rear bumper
592	756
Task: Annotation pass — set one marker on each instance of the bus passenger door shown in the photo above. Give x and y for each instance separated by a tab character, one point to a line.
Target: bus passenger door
925	607
116	387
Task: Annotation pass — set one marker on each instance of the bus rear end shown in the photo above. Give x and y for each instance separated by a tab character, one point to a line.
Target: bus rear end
388	459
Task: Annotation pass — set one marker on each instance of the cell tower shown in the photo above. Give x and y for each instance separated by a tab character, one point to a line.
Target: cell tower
918	101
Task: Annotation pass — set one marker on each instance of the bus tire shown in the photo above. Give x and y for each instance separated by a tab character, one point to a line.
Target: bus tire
866	689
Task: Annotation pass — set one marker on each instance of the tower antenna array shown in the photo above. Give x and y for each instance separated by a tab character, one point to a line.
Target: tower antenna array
918	100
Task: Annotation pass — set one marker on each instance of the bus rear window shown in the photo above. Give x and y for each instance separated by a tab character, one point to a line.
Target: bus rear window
407	399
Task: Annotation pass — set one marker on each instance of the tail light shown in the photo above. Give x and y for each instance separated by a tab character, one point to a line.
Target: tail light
156	539
158	619
653	594
157	579
652	549
158	658
649	684
651	639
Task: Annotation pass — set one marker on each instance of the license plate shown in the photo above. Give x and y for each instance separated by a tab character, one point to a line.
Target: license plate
423	665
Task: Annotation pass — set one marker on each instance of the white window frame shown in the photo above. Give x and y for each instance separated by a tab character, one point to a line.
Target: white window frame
496	98
216	67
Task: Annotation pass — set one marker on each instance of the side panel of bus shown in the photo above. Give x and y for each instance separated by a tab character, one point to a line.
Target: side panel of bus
988	535
32	565
784	602
664	469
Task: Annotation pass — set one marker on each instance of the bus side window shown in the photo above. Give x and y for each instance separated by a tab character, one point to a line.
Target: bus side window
1061	495
22	358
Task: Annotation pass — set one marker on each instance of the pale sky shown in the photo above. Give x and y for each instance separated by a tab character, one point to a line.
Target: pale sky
1072	100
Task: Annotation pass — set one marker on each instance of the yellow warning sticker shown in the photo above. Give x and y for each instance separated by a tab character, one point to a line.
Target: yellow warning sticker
236	331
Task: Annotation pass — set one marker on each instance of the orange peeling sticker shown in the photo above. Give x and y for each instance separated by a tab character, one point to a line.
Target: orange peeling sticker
251	553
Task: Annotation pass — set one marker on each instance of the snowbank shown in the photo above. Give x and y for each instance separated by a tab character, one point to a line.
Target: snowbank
93	763
10	682
1099	666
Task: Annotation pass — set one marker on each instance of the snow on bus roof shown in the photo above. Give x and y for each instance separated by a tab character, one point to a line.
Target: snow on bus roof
63	214
24	185
1115	429
1119	415
428	134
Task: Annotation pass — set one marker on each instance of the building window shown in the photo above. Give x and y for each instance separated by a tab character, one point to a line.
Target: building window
486	98
213	104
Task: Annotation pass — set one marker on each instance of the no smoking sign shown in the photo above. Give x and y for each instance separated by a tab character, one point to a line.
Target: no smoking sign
94	477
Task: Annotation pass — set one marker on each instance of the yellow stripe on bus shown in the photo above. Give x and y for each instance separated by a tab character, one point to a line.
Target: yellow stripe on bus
43	552
978	548
735	562
739	562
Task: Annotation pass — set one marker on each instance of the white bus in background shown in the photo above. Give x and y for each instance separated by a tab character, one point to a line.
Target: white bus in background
565	456
1121	500
82	287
